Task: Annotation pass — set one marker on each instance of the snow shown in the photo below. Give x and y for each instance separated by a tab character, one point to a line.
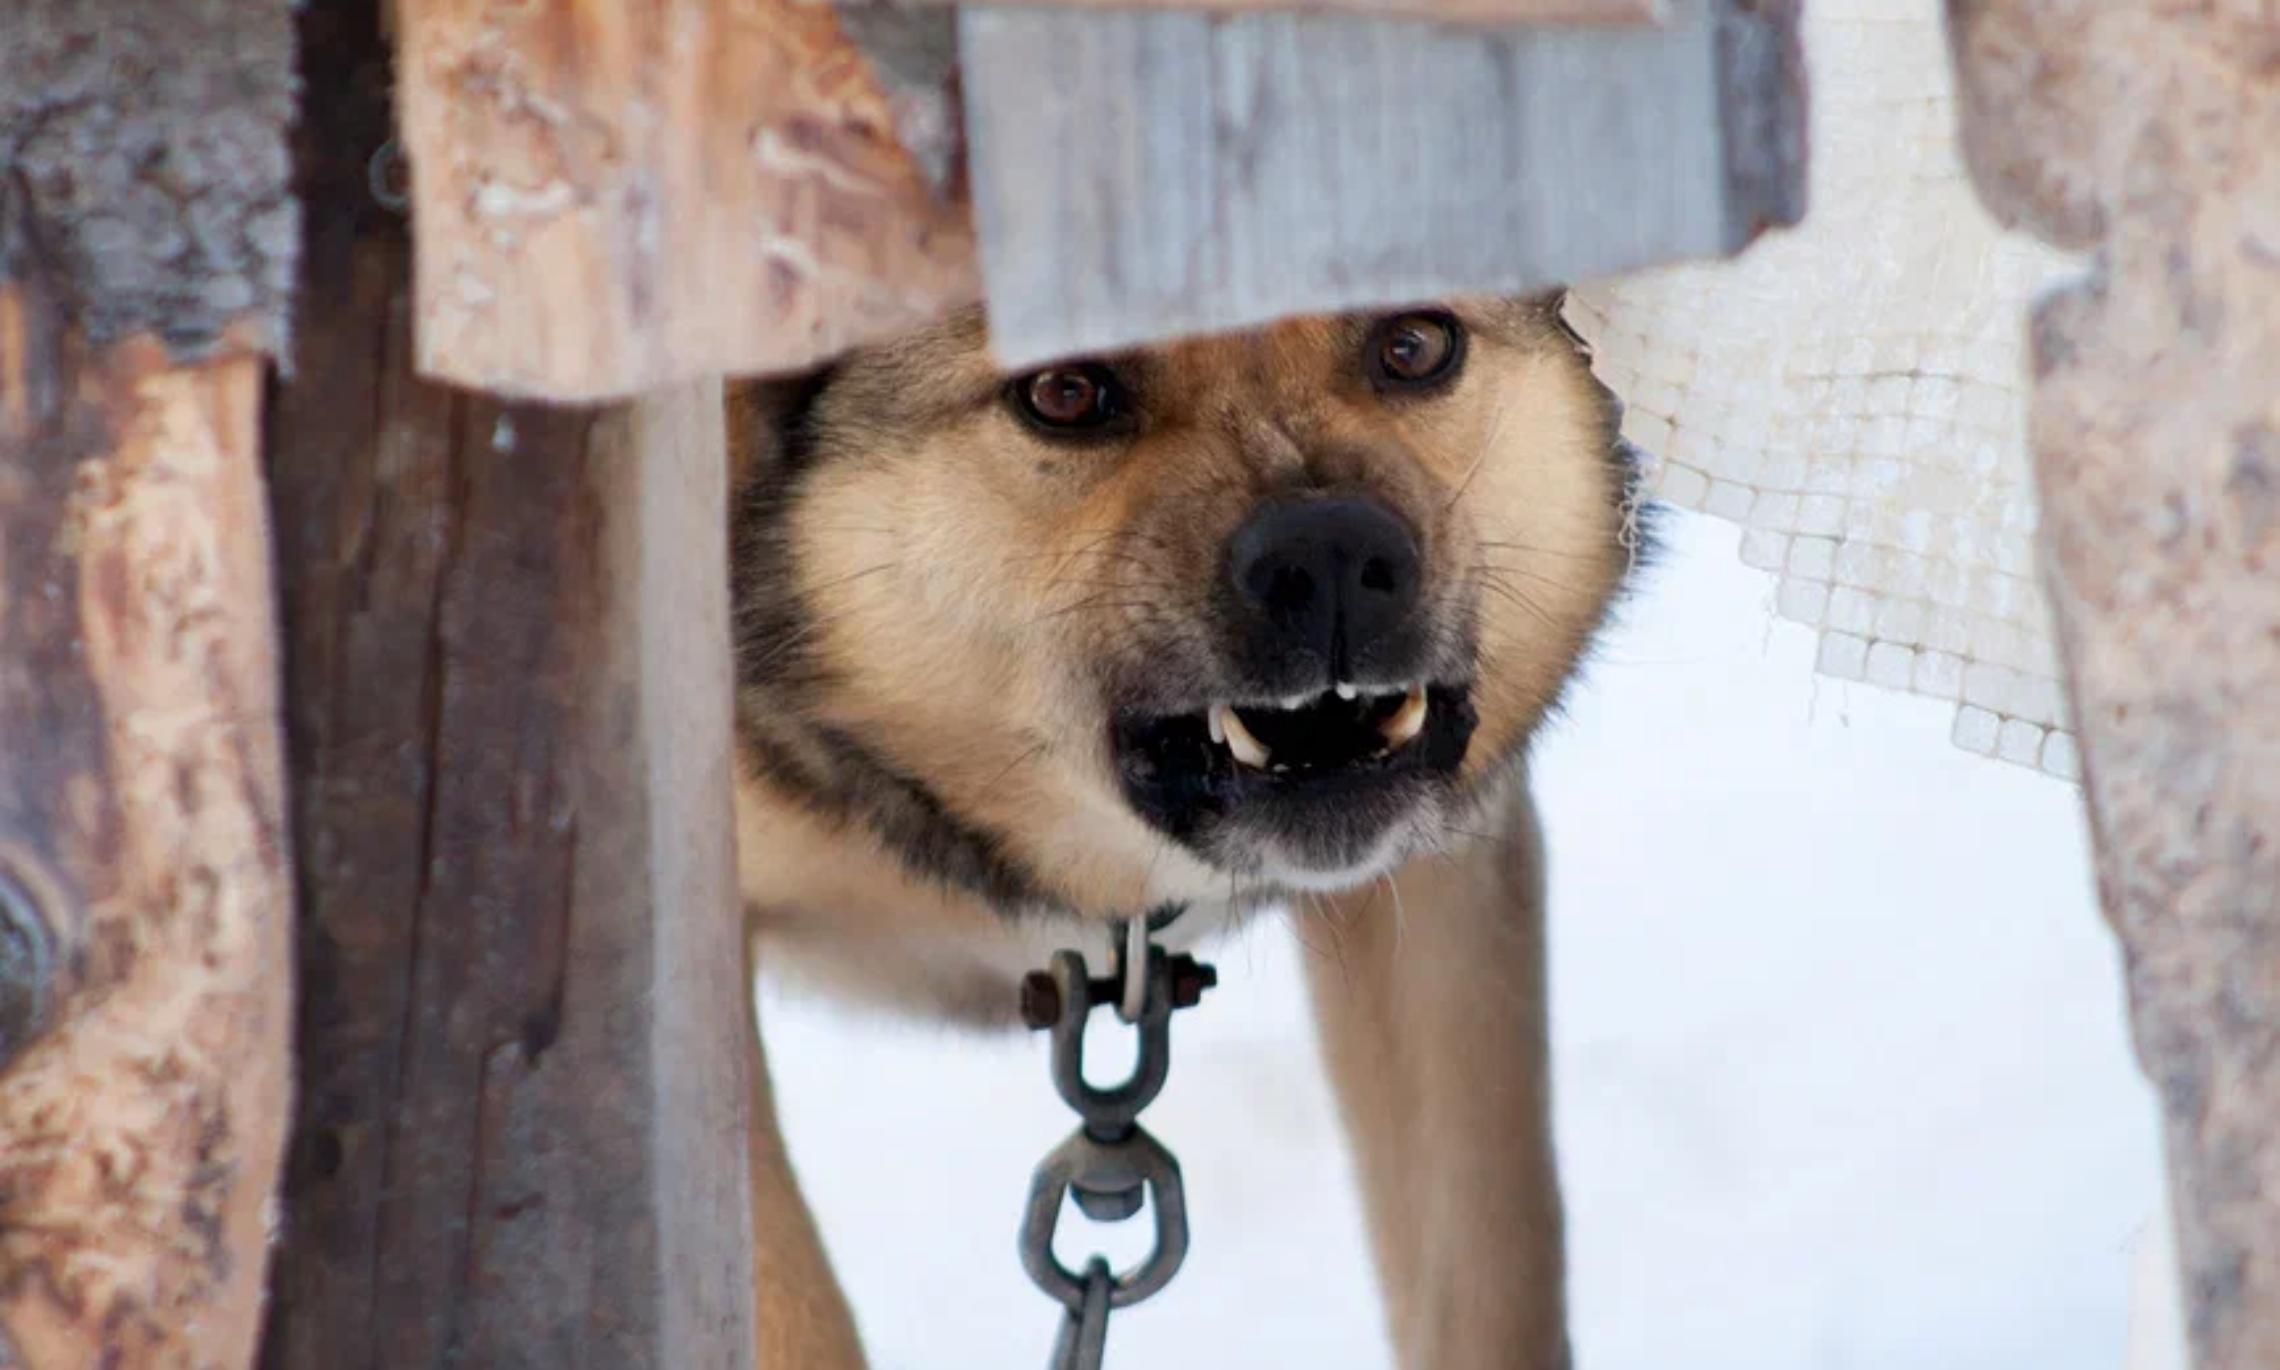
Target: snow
1842	1072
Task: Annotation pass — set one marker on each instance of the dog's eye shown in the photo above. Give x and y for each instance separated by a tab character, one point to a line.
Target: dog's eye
1069	398
1414	351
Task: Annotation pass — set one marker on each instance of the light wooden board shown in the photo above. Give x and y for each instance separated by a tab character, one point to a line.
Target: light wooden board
610	196
1142	175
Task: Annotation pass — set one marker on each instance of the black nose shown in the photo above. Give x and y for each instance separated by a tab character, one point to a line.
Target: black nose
1333	577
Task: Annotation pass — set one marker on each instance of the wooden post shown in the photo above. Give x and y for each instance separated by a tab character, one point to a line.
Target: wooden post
2153	134
145	243
525	1036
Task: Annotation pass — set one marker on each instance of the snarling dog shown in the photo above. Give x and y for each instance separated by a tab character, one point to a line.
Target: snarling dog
1256	621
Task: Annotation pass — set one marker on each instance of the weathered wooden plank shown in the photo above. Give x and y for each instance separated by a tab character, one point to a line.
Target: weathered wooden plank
1620	12
2154	133
144	888
611	197
522	1135
1142	175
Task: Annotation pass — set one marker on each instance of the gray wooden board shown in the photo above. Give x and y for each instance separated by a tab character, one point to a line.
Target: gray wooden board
1138	176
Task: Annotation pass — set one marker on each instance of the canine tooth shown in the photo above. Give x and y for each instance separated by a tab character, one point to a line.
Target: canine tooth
1248	749
1408	720
1347	690
1218	729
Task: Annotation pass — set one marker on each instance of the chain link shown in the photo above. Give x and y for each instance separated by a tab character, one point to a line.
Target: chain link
1110	1165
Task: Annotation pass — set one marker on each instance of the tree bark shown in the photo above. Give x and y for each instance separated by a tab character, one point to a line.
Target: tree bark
2153	134
522	1132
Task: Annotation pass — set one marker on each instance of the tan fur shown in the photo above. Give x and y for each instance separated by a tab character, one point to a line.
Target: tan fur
1429	996
966	587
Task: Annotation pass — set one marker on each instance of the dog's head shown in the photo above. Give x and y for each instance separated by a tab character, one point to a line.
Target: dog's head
1275	608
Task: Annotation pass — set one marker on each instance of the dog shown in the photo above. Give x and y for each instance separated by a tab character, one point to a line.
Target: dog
1254	621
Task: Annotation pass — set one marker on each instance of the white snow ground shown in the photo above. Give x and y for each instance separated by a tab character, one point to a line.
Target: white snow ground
1842	1076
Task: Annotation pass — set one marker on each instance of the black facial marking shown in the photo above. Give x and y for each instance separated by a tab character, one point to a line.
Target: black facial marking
797	434
842	778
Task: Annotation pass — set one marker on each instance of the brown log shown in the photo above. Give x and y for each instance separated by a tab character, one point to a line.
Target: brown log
611	197
144	884
2154	132
522	1130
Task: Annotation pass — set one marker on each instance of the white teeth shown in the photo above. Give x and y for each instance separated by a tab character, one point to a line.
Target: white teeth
1294	703
1227	727
1407	721
1346	690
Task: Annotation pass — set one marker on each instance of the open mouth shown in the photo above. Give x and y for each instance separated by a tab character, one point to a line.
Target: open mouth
1183	770
1338	728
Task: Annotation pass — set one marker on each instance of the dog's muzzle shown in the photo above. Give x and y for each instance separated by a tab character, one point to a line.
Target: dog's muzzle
1338	726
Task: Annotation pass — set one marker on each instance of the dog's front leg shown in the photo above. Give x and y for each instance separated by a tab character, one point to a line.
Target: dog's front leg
1429	993
804	1321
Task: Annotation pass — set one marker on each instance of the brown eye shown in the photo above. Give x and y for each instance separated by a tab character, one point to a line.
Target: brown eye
1068	398
1415	351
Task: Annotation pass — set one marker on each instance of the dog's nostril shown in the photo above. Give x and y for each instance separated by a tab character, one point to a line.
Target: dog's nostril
1276	584
1378	575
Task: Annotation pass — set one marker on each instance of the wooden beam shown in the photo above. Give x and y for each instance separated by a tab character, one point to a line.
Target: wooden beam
522	1134
2153	133
144	884
1139	176
612	197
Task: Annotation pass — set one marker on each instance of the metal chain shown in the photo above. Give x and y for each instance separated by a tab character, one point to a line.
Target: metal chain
1110	1164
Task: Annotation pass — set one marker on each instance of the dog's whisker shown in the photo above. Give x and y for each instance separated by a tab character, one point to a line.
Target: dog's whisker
1400	914
1088	606
1545	577
1534	550
1032	753
1487	446
863	574
1521	602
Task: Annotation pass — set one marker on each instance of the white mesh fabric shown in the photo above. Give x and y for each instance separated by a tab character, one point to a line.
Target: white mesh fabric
1852	393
